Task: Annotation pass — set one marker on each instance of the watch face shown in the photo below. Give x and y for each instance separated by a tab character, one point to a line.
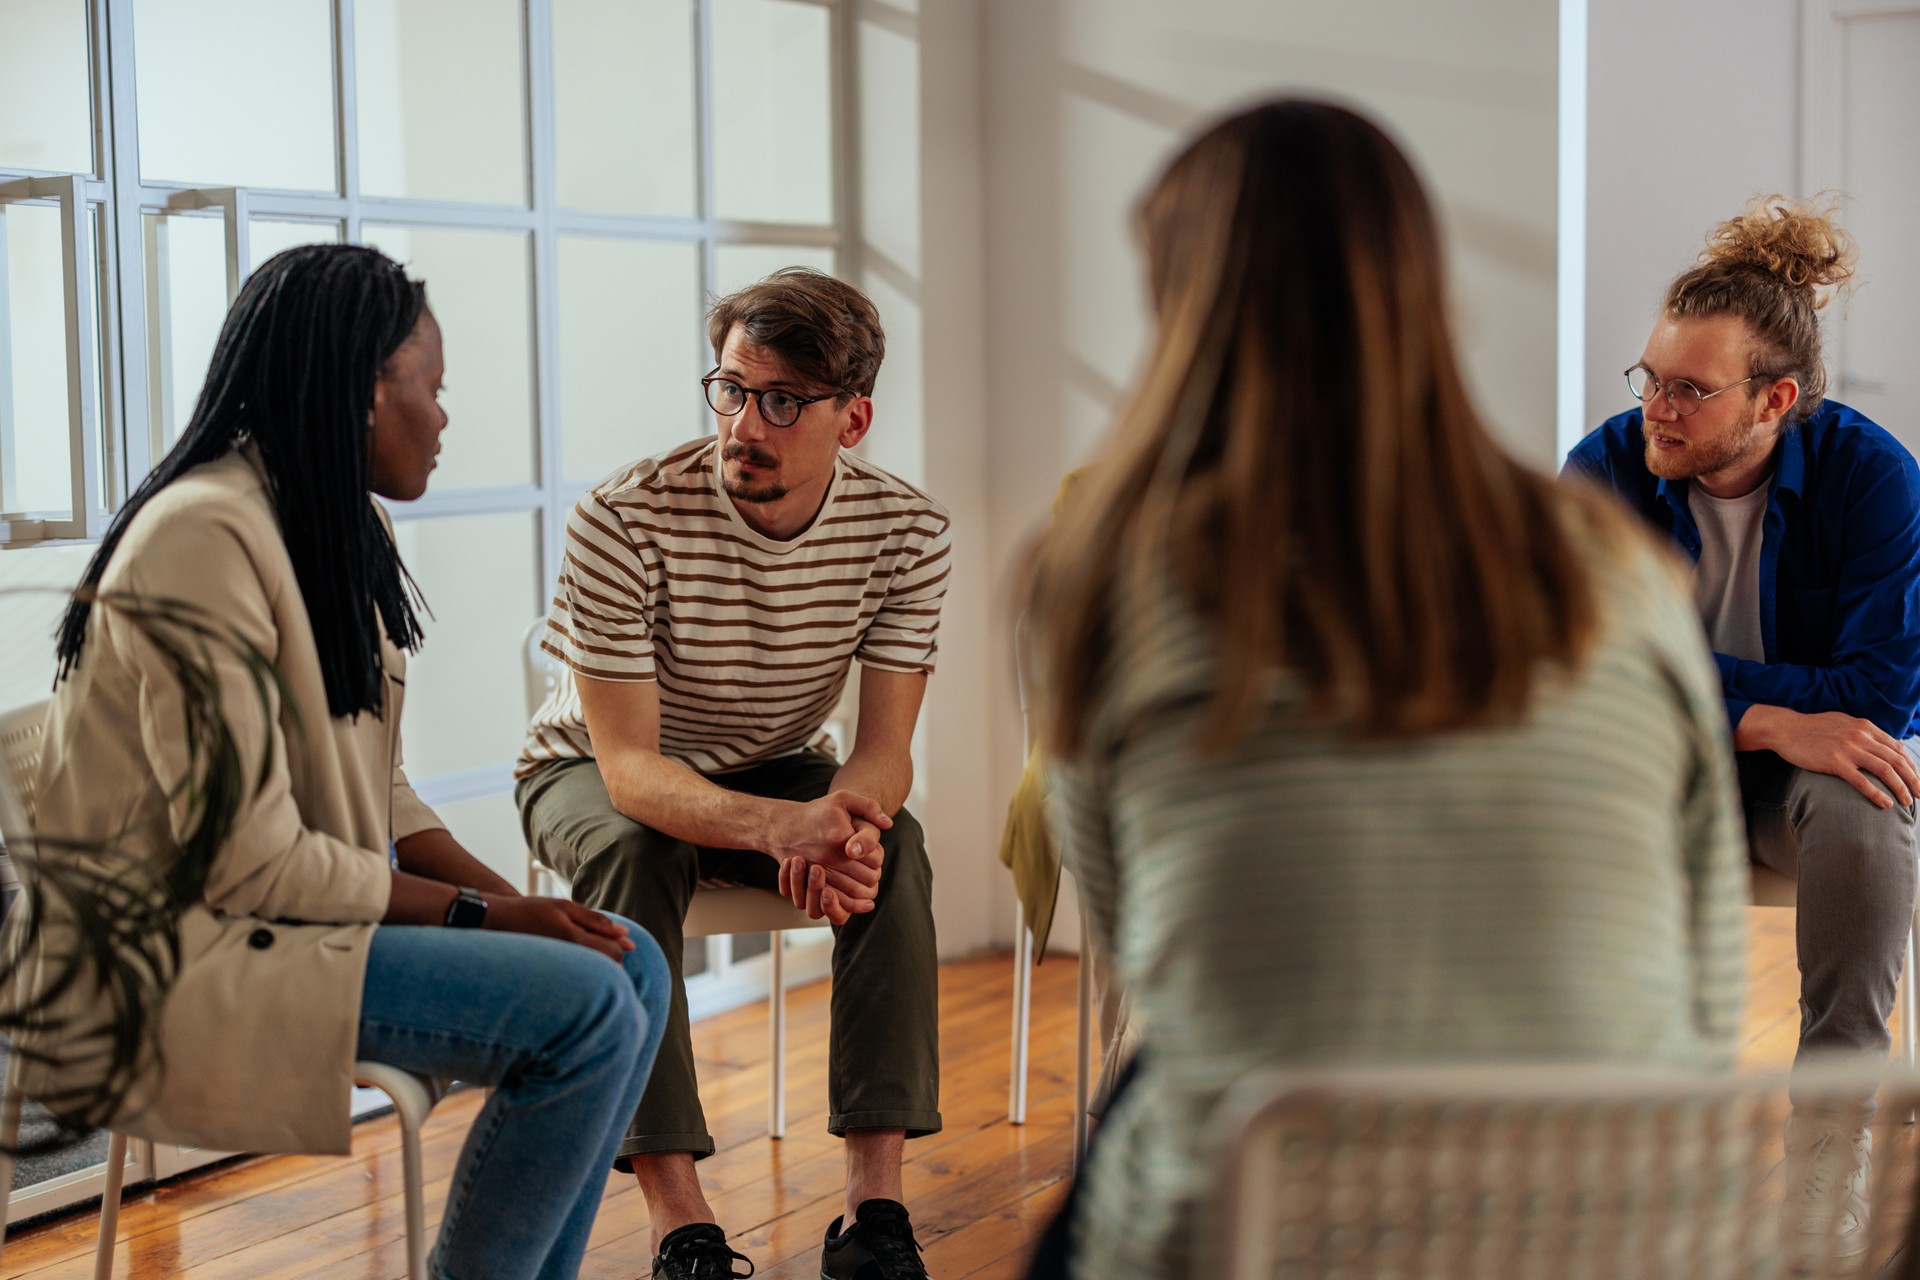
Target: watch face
468	911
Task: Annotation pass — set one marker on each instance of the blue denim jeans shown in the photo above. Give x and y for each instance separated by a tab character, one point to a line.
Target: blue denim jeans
565	1037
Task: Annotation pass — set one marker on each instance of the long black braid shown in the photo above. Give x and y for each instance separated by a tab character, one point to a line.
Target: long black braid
293	372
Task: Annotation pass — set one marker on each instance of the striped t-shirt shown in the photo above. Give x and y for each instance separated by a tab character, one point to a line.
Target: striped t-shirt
749	638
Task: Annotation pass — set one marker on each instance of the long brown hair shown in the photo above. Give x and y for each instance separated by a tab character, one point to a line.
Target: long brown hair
1302	458
1768	266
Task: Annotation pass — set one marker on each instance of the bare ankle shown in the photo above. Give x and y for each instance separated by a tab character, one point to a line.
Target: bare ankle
873	1168
672	1191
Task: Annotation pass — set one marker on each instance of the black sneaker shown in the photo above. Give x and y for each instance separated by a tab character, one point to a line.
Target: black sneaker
698	1252
879	1247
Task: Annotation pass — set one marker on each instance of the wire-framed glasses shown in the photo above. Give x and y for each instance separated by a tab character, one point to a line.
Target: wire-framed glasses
1684	396
779	408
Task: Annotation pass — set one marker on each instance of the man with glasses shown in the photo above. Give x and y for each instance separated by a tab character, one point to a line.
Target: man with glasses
1802	519
711	605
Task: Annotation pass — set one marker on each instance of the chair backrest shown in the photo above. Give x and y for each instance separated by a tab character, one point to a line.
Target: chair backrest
1499	1174
20	740
539	671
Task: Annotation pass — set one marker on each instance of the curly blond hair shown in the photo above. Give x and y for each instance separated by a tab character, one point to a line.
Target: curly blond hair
1774	265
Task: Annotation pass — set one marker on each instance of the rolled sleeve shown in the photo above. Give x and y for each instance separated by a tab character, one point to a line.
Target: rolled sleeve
904	633
598	625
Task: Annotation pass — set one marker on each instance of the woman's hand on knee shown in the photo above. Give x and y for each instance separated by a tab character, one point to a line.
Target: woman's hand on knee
559	918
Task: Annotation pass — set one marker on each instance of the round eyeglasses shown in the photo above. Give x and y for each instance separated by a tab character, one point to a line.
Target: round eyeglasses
779	408
1684	396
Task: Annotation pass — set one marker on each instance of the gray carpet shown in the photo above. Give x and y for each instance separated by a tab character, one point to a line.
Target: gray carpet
36	1125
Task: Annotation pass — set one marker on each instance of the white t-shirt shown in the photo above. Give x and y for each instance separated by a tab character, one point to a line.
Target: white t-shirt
1726	583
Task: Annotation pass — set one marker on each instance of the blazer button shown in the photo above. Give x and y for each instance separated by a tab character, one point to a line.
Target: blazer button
260	939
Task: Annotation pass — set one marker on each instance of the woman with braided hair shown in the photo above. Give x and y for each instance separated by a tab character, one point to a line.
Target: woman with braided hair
315	911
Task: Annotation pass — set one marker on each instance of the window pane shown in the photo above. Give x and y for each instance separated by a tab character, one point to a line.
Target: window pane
442	99
737	265
186	305
772	111
36	450
623	105
268	236
236	94
46	102
477	285
479	576
630	352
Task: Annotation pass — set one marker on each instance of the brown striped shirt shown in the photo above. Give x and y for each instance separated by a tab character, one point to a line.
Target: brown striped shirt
749	639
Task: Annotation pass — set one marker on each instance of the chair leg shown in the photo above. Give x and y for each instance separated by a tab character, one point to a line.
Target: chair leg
110	1207
777	1037
1022	1014
1082	1072
415	1196
10	1099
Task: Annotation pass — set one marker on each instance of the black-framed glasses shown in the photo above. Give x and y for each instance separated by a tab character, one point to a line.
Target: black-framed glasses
1684	396
779	408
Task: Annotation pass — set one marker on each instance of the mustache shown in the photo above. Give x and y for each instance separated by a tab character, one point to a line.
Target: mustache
736	450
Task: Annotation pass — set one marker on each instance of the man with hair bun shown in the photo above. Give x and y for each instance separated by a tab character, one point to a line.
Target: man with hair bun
711	604
1803	519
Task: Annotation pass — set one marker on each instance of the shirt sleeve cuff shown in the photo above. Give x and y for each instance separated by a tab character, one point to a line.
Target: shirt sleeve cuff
411	814
1736	708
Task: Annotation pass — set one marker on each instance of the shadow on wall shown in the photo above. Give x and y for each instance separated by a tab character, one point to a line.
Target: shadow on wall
1085	101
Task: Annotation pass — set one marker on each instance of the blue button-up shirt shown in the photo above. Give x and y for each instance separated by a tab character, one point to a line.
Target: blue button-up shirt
1839	564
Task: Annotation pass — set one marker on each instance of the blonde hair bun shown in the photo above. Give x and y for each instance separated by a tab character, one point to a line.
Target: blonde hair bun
1801	244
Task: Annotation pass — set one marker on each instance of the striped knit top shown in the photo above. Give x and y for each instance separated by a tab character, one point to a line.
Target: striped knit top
1570	887
749	638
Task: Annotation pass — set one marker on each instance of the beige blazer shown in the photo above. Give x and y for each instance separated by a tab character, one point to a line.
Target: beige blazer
257	1035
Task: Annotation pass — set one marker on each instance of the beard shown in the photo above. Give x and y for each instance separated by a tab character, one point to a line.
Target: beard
1702	455
750	491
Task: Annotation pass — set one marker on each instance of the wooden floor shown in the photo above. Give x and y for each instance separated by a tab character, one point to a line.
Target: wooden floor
979	1191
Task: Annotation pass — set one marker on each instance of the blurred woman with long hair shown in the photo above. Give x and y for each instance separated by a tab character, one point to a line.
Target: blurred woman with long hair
1371	744
227	723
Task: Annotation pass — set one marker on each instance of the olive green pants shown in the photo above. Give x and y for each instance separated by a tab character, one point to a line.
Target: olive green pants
883	1056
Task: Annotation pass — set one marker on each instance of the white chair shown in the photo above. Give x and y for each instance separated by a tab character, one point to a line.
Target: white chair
413	1095
1771	889
716	909
1568	1173
1023	962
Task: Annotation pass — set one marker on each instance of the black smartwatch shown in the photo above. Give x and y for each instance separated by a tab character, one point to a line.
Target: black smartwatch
468	910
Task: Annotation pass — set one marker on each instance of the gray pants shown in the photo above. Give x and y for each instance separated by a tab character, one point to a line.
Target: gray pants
883	1050
1855	869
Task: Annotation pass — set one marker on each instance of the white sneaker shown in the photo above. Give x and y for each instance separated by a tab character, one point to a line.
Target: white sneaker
1823	1208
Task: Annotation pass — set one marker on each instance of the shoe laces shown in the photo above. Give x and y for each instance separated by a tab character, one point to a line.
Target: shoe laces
1830	1163
707	1258
888	1236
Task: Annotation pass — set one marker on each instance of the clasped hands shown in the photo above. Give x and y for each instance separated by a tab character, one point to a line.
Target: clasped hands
829	854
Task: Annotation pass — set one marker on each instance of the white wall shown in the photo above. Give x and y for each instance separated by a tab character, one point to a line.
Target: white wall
1692	110
918	190
1086	100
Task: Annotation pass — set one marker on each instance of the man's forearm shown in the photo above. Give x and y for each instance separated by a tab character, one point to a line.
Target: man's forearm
883	777
674	800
